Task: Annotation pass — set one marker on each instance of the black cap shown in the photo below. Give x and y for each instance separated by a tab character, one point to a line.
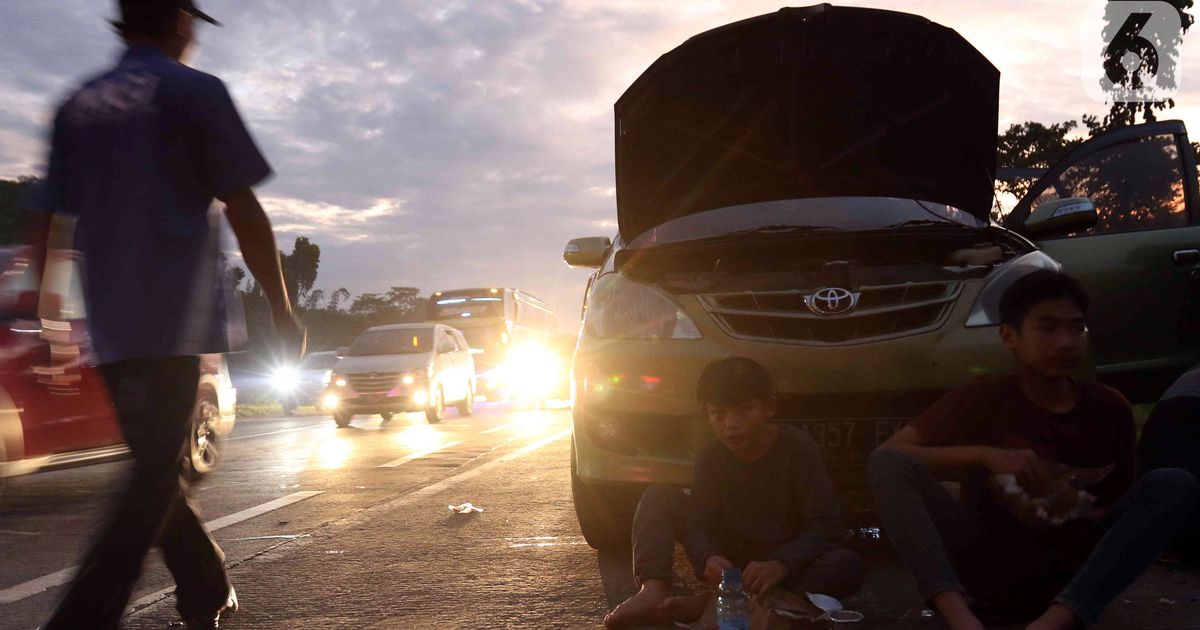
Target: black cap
136	14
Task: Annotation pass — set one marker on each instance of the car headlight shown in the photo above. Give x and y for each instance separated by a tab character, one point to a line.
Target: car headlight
285	379
986	310
622	309
337	380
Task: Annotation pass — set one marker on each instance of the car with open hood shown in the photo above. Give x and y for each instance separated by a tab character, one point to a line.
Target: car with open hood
812	189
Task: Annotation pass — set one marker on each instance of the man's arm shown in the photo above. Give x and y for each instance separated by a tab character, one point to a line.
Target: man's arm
257	242
953	462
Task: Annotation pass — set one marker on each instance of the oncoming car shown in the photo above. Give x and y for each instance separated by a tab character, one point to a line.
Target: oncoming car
402	368
824	210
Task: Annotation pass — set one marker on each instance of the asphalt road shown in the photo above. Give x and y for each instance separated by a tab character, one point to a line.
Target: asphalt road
349	528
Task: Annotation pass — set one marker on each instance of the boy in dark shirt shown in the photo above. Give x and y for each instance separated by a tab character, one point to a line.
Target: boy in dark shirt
1025	424
761	500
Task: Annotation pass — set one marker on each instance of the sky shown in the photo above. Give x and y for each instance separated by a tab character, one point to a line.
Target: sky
443	144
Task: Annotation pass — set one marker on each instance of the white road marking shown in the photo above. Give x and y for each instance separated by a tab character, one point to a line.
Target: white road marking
499	428
58	578
418	455
254	435
450	482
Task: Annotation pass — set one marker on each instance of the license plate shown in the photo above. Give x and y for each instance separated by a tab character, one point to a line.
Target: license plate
849	442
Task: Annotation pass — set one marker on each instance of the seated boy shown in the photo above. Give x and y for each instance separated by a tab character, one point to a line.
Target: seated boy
1024	424
761	501
1171	439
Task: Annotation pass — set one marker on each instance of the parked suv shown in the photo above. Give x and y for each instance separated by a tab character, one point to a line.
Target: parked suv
824	210
401	368
55	409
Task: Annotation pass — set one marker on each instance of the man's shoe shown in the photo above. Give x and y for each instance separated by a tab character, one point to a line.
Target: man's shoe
214	621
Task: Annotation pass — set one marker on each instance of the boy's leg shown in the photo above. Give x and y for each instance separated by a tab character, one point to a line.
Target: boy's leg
661	514
923	521
838	573
1171	439
1142	525
657	524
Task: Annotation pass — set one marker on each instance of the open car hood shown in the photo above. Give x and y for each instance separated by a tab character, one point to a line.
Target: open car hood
819	101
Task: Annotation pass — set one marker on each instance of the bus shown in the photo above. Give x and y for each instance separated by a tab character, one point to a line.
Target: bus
511	334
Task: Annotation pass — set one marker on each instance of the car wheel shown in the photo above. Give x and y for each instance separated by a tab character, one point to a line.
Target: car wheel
605	512
466	407
342	418
437	410
204	448
387	416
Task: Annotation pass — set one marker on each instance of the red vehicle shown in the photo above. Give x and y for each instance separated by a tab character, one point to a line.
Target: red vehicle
55	410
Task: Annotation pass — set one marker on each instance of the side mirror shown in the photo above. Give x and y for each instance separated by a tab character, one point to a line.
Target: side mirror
1060	217
341	352
587	252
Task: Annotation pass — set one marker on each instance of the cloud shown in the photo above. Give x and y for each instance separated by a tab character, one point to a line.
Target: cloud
455	143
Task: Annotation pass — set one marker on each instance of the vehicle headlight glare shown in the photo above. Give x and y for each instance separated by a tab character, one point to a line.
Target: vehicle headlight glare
331	401
285	379
622	309
408	379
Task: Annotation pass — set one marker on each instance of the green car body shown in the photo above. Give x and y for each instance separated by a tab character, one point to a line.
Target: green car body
866	296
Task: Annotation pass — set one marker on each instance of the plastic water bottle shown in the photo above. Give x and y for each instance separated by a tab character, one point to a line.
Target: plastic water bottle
733	606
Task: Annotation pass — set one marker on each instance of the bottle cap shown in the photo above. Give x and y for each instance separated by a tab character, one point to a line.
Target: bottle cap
731	577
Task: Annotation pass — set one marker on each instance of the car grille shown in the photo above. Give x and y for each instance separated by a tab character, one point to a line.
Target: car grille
374	382
883	312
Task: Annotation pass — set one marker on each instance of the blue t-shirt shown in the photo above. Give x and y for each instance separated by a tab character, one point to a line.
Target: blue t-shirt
138	154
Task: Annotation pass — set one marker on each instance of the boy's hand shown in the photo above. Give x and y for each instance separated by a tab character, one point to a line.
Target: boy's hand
713	567
760	577
1031	470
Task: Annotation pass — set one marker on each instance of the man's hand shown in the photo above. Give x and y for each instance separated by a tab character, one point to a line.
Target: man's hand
760	577
1033	472
714	567
291	333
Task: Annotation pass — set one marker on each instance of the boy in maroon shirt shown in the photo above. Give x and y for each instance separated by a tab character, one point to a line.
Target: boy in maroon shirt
977	551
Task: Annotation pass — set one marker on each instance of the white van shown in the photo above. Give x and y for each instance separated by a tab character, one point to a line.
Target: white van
401	368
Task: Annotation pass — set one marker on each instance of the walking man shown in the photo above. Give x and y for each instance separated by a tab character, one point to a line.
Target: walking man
137	156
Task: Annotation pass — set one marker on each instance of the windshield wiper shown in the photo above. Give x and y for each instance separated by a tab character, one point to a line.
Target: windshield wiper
784	229
920	223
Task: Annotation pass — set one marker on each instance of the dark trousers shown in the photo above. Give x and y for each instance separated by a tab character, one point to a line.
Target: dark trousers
1171	439
939	541
153	399
662	515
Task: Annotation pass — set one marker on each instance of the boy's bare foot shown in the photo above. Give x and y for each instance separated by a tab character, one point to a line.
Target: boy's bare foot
1057	617
642	608
685	608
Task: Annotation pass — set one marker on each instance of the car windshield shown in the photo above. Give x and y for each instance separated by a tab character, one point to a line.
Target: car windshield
828	214
466	306
483	338
319	361
400	341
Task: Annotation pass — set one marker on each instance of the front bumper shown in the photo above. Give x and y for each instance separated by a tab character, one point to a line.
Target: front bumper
636	419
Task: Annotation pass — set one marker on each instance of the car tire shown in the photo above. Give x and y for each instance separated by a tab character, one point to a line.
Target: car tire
466	406
605	512
387	416
342	419
436	411
205	442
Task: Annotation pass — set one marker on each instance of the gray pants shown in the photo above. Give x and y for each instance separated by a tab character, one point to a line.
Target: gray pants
939	541
661	519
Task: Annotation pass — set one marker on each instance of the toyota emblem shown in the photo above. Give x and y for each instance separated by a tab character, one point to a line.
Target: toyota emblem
832	301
